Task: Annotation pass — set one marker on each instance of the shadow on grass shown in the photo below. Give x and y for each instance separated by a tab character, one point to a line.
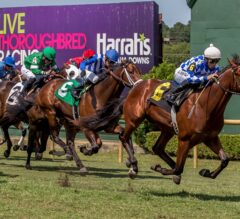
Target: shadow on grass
6	175
203	197
101	172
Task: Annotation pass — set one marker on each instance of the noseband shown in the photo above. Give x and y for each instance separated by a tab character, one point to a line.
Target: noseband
129	83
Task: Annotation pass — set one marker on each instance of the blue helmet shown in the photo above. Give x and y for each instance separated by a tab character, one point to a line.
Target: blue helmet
9	60
112	55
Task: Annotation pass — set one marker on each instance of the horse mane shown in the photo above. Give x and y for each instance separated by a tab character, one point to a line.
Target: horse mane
234	61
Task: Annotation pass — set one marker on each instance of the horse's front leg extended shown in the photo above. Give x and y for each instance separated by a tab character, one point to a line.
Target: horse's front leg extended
95	142
215	145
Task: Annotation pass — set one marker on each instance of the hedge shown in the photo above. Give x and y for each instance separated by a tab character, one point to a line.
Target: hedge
230	143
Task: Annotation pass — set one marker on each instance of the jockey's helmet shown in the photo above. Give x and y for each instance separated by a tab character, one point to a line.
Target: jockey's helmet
88	53
10	61
49	53
112	55
212	52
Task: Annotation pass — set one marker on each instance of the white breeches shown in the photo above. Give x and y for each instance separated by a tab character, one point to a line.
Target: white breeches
180	75
27	73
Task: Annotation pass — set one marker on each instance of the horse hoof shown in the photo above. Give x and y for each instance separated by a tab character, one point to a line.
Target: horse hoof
23	148
176	179
128	163
156	168
85	151
28	167
6	154
83	171
38	156
69	157
205	173
16	147
132	174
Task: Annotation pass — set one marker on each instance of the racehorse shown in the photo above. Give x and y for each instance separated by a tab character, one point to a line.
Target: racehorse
199	119
12	108
97	97
5	123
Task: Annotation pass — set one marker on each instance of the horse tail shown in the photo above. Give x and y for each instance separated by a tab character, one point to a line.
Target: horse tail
104	118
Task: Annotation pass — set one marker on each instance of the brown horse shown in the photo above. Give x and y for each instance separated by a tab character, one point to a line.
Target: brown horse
198	121
97	97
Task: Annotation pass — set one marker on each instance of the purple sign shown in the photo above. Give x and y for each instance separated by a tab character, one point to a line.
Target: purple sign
130	28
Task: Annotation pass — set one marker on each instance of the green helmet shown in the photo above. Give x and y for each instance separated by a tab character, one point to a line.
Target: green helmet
49	53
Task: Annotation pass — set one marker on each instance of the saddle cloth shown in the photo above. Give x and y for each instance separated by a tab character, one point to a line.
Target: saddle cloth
64	92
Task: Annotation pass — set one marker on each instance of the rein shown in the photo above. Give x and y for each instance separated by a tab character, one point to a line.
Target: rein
223	88
130	82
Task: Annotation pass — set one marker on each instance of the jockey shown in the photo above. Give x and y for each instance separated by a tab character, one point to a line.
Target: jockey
196	71
37	65
7	68
88	53
90	68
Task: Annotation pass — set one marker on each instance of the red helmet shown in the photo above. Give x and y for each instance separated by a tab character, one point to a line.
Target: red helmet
88	53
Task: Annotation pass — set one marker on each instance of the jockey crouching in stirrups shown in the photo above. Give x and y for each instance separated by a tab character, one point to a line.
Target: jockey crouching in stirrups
195	72
37	65
91	67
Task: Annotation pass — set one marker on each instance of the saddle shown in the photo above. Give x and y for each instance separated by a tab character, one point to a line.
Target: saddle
164	90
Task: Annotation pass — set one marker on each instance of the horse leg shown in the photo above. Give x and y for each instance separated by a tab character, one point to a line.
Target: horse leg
182	152
54	130
215	145
31	141
159	148
95	142
8	140
20	143
42	139
70	135
4	139
125	138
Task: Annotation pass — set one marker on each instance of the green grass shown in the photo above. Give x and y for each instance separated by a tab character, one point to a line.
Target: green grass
54	189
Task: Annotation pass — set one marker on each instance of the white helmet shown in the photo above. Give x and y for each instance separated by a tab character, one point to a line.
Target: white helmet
212	52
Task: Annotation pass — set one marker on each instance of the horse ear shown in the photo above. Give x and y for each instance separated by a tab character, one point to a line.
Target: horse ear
232	63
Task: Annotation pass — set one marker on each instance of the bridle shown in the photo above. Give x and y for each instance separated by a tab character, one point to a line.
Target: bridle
129	83
235	70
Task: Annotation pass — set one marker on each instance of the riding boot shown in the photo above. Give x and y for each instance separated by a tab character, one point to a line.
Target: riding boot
76	91
28	84
176	91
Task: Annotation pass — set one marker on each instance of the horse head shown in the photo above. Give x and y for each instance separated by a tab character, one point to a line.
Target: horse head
70	71
127	73
231	75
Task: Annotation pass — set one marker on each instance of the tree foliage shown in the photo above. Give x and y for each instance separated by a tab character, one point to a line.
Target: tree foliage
163	71
176	53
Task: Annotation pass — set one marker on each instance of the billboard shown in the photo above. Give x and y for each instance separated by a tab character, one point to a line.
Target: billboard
130	28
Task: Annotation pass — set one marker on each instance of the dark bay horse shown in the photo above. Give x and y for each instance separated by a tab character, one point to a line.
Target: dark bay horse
13	109
97	97
6	121
203	126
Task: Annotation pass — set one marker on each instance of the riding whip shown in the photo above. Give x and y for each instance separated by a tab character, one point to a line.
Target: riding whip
194	105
